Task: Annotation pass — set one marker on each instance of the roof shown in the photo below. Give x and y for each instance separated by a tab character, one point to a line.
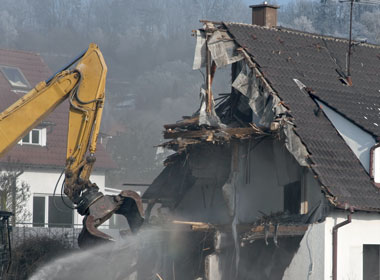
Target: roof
283	55
53	155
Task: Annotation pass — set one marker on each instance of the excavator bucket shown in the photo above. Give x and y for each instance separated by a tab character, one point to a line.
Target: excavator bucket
127	203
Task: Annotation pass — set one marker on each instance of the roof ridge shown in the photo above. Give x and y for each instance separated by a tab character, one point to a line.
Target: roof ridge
20	51
304	33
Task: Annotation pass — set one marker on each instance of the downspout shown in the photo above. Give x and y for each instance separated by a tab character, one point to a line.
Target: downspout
335	244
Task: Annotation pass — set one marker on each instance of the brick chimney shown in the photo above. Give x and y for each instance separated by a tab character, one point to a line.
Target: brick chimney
264	14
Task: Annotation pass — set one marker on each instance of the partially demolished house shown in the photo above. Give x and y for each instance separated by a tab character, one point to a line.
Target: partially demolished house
280	172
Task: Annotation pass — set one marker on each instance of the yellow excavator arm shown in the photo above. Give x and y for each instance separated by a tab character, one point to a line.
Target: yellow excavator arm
84	86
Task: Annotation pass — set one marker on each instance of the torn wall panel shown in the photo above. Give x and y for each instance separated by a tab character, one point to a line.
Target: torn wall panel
223	49
308	262
200	50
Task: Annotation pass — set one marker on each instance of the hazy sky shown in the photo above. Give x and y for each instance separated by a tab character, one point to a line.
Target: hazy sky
255	2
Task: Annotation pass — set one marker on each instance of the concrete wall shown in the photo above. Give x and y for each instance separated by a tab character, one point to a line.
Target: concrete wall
308	263
260	185
255	172
204	201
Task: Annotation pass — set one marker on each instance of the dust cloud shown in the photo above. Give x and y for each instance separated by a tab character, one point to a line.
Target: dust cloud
116	260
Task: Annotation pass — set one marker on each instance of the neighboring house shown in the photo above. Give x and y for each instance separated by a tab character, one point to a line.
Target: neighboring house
42	152
283	172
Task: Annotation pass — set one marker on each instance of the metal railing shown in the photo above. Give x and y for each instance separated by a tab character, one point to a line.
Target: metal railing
67	233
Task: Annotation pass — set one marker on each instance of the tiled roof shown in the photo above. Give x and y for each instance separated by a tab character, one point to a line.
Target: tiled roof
283	55
53	155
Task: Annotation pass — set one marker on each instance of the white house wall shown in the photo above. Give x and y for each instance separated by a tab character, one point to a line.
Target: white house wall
42	182
364	229
313	259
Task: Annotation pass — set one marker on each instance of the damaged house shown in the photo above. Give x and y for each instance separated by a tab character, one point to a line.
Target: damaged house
281	174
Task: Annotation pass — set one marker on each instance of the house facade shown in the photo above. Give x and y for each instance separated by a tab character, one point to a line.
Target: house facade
41	154
280	174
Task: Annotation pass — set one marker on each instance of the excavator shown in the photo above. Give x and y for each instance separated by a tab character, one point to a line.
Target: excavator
84	87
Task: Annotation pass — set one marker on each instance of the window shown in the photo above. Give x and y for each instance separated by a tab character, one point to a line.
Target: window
374	170
371	262
36	136
38	211
60	215
15	77
292	197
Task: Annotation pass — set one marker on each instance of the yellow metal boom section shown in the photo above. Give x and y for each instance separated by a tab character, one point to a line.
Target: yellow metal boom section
18	119
85	87
86	107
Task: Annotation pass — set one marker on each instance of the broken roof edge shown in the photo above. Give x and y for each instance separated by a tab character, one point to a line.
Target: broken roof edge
349	207
21	51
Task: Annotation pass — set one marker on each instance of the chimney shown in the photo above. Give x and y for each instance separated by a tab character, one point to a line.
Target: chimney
264	14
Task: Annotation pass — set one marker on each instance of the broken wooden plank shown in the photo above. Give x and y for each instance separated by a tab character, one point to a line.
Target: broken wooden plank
259	232
183	123
196	226
237	132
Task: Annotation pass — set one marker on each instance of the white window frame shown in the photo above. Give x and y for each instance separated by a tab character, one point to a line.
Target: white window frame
46	201
374	170
41	137
3	70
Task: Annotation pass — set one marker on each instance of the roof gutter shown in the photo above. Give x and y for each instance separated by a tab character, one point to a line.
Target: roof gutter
335	244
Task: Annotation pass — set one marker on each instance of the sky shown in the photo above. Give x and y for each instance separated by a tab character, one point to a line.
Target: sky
256	2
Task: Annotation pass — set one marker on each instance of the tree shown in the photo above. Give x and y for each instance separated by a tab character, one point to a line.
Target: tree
14	193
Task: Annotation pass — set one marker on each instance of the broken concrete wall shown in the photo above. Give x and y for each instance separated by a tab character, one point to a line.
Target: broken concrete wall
252	180
210	166
257	187
308	262
265	169
257	260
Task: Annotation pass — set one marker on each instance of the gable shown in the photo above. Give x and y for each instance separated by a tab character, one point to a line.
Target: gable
283	56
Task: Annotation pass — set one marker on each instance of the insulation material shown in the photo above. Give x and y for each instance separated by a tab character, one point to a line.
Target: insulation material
265	106
294	145
229	193
200	51
213	269
209	119
267	115
279	109
242	83
223	49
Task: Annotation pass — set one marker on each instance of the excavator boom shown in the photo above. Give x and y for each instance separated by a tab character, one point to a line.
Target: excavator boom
84	86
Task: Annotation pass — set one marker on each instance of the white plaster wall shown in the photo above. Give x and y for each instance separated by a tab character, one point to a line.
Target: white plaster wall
308	263
364	229
313	259
43	181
